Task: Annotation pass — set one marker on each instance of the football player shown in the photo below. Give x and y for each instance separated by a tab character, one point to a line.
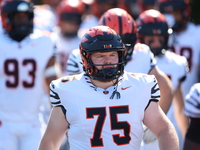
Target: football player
184	40
112	104
70	13
153	30
26	59
139	60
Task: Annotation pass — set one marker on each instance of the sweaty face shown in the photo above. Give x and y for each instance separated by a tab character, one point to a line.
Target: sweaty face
105	58
155	41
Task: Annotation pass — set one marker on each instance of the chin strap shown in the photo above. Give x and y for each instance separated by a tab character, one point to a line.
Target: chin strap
115	92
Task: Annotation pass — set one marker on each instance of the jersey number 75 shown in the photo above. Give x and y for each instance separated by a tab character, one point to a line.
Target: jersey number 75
114	111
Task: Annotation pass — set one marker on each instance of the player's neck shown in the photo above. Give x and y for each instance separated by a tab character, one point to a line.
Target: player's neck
103	85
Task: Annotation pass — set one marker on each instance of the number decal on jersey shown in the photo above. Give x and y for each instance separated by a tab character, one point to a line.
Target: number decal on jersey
13	63
185	51
96	140
120	125
14	72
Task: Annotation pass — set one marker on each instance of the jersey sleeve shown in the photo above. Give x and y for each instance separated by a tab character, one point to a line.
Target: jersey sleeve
74	65
155	90
192	103
54	97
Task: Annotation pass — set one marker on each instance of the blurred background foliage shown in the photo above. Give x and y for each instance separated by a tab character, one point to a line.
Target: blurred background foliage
195	10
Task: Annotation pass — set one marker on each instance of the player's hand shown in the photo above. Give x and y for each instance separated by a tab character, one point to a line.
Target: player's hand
148	137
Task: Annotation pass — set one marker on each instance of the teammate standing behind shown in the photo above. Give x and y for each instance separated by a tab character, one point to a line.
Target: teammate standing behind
192	110
70	13
153	31
25	59
185	38
113	105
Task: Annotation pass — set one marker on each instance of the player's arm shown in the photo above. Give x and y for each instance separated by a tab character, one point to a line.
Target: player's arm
179	106
161	127
166	88
55	131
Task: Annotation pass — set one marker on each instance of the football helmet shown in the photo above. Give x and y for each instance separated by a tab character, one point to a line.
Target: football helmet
102	39
167	6
121	21
152	22
70	10
17	31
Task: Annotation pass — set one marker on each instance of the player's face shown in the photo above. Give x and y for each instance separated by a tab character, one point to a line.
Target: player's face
21	18
105	58
69	28
154	41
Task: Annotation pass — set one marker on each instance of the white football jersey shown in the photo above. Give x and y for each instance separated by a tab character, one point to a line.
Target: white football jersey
98	122
192	104
22	66
174	66
66	45
142	61
74	65
187	44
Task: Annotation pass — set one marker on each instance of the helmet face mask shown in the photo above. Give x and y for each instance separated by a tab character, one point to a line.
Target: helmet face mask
102	39
70	17
152	23
11	14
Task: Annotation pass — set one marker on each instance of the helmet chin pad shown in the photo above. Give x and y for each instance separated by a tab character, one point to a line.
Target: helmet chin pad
19	32
107	74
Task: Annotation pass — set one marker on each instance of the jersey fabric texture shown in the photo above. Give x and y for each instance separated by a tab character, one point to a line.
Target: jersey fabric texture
187	44
98	122
22	68
176	68
192	103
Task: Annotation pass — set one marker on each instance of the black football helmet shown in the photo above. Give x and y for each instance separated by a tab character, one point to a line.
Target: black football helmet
167	6
121	21
152	22
17	31
102	39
